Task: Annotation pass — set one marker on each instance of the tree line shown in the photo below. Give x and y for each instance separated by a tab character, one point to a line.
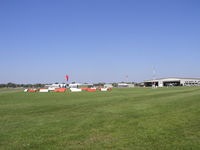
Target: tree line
14	85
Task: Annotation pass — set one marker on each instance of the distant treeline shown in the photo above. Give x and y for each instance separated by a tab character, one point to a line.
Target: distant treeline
39	85
14	85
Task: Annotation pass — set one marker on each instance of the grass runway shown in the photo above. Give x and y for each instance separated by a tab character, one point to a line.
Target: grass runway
124	119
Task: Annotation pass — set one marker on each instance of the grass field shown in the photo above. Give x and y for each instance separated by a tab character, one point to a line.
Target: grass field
124	119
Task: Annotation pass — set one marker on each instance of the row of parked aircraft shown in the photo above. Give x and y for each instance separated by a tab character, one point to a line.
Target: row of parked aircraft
44	90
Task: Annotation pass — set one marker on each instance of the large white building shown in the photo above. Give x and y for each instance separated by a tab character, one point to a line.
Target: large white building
79	85
56	85
129	85
173	82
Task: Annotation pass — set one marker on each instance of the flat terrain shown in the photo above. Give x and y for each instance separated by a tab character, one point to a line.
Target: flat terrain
124	119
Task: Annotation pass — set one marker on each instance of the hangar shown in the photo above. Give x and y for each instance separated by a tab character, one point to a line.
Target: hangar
172	82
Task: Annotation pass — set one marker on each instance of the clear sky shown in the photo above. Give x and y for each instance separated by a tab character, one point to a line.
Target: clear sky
98	40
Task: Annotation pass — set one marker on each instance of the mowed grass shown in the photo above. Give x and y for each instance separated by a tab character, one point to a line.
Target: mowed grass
124	119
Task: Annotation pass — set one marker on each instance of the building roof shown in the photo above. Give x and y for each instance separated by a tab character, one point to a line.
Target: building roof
172	78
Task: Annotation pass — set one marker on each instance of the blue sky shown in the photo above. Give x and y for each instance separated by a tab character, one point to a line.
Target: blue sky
98	40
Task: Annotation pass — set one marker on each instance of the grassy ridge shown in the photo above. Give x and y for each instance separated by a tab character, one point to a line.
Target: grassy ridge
135	118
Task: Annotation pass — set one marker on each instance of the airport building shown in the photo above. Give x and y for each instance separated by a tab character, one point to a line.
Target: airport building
172	82
128	85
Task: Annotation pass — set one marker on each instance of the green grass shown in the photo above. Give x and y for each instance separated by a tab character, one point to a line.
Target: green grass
124	119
